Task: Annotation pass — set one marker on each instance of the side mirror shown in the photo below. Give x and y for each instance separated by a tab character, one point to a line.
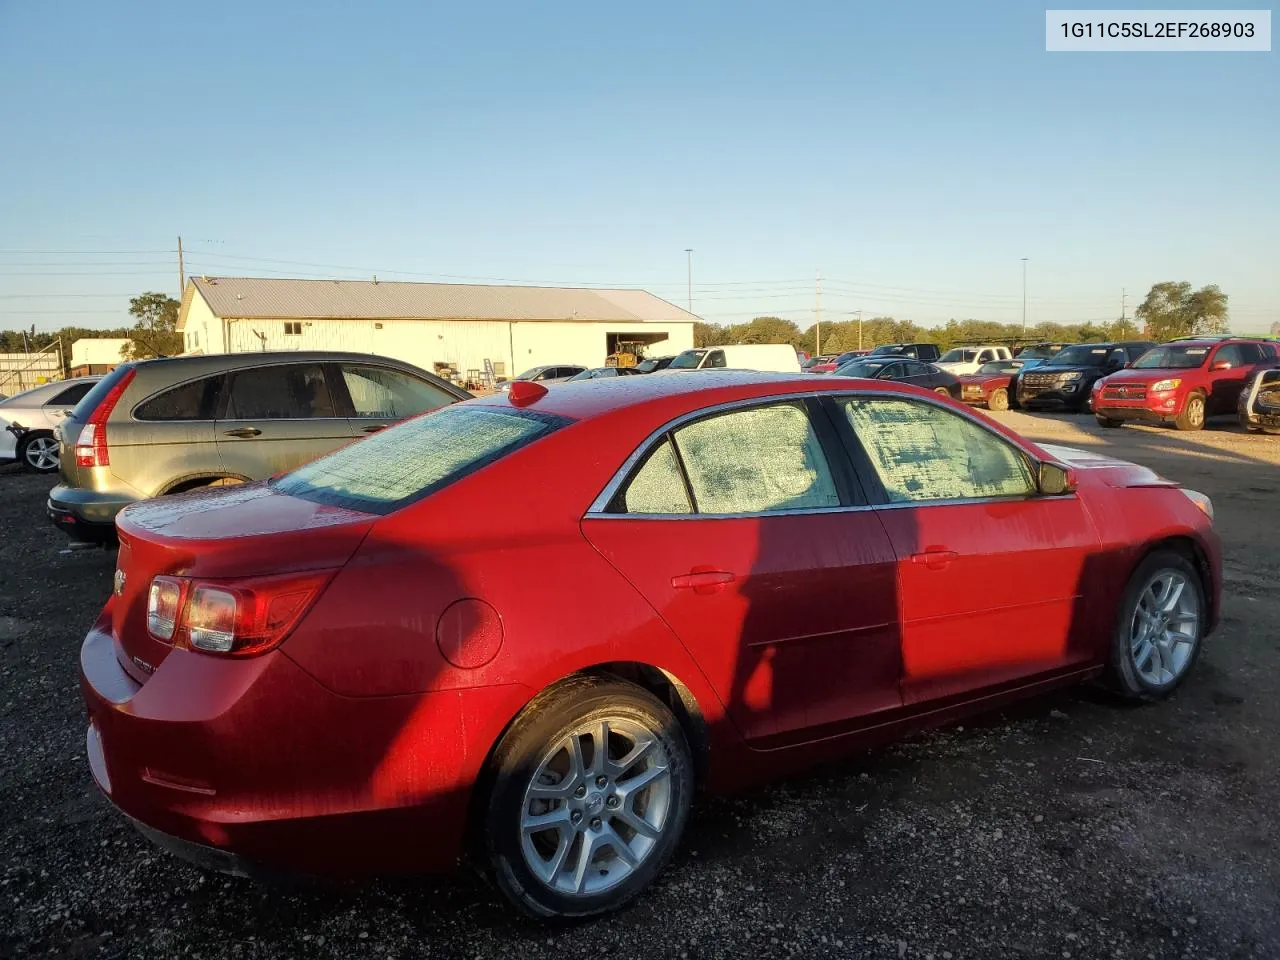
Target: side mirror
1220	365
1056	479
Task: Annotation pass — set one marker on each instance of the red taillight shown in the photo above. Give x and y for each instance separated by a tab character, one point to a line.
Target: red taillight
91	445
237	618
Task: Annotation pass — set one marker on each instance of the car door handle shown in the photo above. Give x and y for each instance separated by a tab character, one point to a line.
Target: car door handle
374	427
934	559
702	581
244	433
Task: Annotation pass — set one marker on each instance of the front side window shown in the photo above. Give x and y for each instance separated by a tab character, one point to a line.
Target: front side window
284	392
923	452
384	394
895	371
194	400
1231	354
716	359
410	460
756	461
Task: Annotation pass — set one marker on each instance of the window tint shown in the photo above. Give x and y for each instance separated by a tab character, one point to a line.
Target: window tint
716	359
71	396
89	402
408	461
387	394
1137	350
922	452
1118	357
895	371
196	400
657	487
1252	353
285	392
756	460
1231	353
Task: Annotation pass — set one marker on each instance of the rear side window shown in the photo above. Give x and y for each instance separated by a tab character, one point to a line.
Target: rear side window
284	392
89	402
415	458
388	394
194	400
69	397
657	487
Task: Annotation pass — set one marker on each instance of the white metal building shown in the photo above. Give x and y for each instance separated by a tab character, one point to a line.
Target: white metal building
430	324
92	355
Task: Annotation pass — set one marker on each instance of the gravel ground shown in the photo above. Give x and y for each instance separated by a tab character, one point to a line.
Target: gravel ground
1070	827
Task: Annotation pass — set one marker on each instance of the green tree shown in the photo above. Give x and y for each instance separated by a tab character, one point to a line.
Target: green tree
765	330
1173	309
708	334
156	332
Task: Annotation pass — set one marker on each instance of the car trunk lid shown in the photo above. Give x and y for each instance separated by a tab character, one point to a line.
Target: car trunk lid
219	534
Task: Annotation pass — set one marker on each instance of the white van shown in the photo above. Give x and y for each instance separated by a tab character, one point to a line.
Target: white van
773	357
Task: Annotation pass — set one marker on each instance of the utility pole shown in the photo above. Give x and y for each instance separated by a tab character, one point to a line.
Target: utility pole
817	313
1024	298
688	254
1124	322
858	314
182	274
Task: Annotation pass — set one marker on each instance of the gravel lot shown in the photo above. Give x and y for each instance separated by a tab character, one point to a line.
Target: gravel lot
1071	827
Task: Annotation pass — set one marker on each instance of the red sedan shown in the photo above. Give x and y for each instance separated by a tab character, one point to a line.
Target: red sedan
529	626
989	386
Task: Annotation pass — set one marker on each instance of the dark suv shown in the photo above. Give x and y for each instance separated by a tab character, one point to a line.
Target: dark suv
916	351
157	427
1066	379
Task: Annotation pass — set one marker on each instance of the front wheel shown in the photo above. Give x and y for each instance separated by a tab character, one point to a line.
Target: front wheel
999	400
1158	631
38	452
1192	415
590	792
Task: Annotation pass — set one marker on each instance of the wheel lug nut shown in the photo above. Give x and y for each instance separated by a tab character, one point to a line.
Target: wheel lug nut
575	817
613	802
602	782
595	823
580	792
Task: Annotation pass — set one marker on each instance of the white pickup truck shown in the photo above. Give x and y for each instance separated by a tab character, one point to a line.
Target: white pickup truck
963	360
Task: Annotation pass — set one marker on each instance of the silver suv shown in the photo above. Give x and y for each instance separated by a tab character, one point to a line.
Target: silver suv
157	427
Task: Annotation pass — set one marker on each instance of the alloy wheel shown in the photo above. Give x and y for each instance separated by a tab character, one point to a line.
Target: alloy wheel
42	454
1165	628
596	807
1195	412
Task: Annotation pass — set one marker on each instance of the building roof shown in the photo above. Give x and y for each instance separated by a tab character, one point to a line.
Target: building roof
262	298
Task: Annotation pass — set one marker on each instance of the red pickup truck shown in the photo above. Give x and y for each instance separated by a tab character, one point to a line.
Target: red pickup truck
1181	382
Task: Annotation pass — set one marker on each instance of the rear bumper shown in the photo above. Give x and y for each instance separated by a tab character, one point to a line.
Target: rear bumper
85	515
252	767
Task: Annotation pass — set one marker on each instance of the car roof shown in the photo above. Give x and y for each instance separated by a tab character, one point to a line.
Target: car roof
228	361
1212	341
579	401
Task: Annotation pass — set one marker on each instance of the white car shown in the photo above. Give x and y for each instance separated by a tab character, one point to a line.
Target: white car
28	421
966	360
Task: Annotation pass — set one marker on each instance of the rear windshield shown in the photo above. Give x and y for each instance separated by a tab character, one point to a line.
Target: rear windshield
415	458
89	402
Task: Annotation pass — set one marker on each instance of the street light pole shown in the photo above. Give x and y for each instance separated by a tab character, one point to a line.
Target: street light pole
859	315
688	253
1024	298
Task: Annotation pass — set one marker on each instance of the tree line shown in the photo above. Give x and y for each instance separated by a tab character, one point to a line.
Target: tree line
1171	309
153	334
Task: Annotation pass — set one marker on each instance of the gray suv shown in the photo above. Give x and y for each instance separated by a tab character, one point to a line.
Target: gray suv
156	427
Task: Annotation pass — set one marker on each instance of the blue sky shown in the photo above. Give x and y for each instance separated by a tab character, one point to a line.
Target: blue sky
912	152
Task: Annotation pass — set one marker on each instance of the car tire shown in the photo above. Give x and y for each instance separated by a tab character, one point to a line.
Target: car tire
999	400
533	778
1107	422
1147	660
1192	415
38	452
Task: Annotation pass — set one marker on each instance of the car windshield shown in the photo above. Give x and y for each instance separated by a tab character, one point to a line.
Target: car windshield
412	459
688	360
1173	357
646	366
999	366
1081	355
584	375
959	356
862	368
532	373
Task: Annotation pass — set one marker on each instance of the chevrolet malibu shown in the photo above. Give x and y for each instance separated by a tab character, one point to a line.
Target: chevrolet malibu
527	628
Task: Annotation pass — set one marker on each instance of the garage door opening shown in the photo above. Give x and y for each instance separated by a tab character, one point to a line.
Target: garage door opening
628	349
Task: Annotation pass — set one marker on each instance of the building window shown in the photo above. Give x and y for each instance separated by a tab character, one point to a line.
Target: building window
293	329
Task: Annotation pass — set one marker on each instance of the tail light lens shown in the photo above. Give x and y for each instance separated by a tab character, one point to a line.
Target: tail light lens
237	618
91	445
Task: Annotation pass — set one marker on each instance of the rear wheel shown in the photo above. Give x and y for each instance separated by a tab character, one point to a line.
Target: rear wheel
999	400
38	452
1159	628
1107	421
590	793
1192	415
